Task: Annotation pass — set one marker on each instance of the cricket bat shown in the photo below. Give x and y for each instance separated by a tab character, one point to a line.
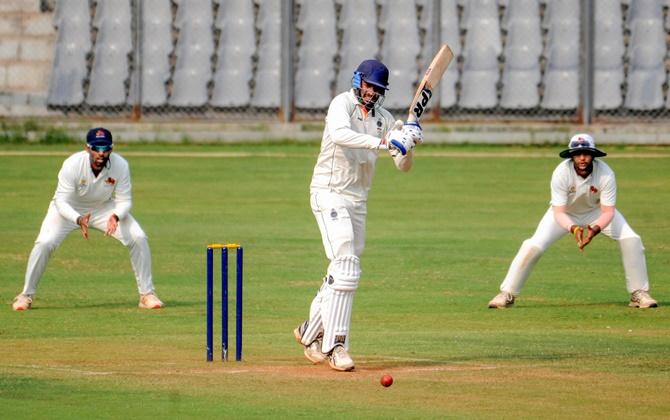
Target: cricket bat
430	80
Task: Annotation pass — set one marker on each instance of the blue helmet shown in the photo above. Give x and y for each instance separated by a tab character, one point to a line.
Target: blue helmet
373	72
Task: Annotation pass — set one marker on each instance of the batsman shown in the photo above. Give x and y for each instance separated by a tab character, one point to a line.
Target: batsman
583	204
357	129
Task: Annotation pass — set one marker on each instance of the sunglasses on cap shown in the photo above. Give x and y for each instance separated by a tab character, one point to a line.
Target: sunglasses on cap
100	149
578	143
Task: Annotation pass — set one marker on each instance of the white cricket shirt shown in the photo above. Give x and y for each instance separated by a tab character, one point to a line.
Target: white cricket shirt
349	148
79	191
582	195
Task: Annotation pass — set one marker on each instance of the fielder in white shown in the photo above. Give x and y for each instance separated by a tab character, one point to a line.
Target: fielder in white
357	128
583	199
93	190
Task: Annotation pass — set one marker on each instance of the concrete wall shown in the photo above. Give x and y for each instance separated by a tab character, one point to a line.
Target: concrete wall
27	36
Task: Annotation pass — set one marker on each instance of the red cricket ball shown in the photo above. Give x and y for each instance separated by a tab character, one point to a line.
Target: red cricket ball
386	380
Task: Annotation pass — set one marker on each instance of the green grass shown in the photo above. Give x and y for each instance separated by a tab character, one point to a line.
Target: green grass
439	241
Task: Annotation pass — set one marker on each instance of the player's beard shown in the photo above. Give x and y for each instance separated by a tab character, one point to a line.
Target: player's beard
100	163
583	170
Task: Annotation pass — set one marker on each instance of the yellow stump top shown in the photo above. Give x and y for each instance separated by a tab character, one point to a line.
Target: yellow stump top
221	246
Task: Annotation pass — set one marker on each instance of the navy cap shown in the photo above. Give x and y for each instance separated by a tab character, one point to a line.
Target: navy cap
99	138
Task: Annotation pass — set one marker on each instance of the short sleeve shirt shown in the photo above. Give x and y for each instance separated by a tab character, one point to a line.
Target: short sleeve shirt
582	195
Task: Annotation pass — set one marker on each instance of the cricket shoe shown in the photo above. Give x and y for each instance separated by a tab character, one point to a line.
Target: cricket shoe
339	359
150	301
642	299
313	350
502	300
22	302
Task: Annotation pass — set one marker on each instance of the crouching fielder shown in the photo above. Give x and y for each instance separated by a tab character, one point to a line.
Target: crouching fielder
583	198
357	128
93	191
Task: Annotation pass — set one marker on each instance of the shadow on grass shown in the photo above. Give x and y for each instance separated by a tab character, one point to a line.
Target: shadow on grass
45	306
531	305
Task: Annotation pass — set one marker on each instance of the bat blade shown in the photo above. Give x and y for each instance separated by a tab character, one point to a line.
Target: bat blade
430	80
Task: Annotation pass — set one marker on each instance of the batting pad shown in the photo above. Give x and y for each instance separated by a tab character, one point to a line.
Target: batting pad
337	298
336	317
344	272
315	324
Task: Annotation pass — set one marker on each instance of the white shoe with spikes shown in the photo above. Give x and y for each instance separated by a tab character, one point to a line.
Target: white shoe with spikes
339	359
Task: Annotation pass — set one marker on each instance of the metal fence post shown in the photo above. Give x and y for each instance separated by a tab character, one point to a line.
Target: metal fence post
586	79
137	60
287	53
436	44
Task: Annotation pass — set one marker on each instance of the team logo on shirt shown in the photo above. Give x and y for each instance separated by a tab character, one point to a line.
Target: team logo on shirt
572	189
379	128
333	214
110	181
82	183
593	189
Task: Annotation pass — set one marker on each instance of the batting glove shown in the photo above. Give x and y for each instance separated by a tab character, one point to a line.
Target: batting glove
398	140
414	130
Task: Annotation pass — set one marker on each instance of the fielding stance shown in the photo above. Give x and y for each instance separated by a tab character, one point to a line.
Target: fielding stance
357	127
93	190
583	198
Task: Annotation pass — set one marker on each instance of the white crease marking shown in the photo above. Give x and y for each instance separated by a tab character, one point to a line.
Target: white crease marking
61	369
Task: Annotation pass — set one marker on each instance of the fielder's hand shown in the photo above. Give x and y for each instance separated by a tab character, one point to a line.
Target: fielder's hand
112	224
82	221
592	231
578	233
414	130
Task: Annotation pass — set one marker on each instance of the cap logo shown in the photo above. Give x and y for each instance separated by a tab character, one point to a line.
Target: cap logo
99	134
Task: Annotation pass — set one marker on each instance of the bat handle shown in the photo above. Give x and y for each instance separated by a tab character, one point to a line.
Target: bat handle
412	118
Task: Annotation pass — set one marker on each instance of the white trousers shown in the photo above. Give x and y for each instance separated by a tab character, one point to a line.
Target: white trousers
341	222
549	231
55	228
342	226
